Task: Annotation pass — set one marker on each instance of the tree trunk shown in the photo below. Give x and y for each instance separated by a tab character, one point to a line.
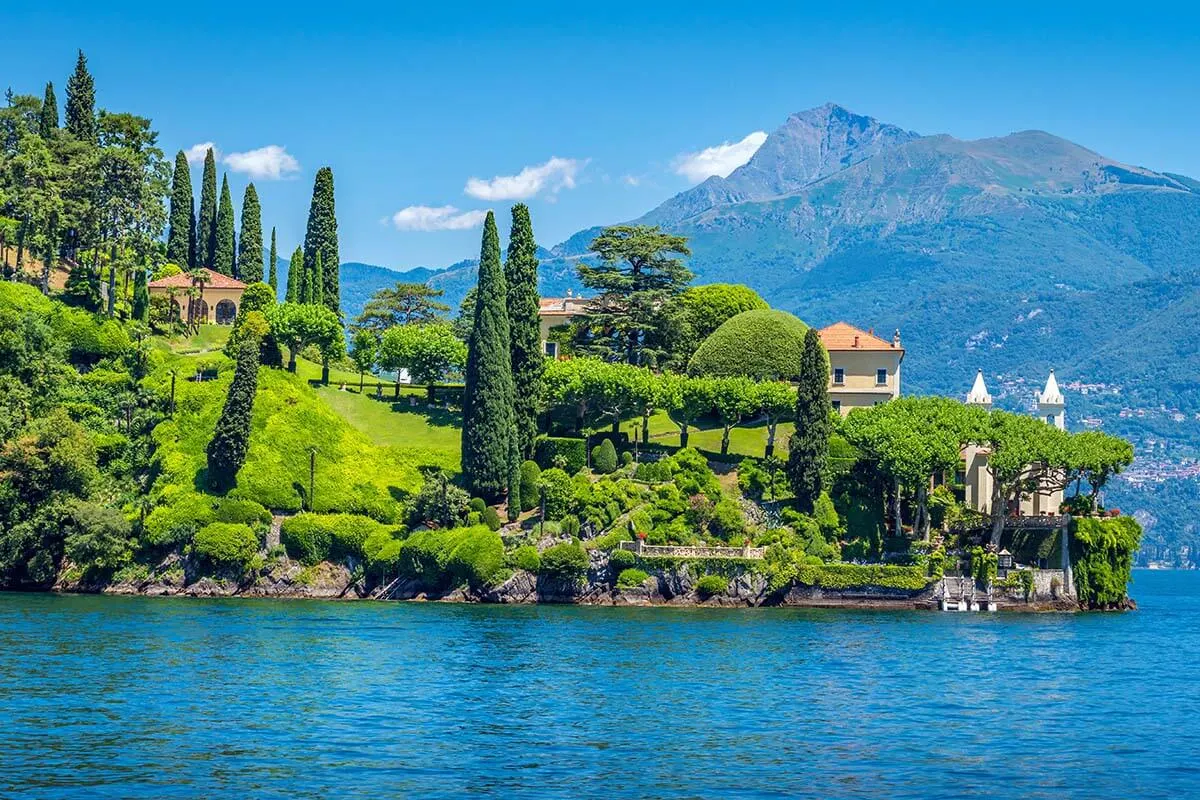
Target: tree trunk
430	388
112	285
360	383
616	426
683	435
325	372
645	427
896	519
922	513
397	394
725	440
291	360
770	451
21	247
998	512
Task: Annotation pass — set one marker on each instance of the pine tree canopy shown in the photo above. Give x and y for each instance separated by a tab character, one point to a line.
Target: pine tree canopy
250	242
224	252
180	235
520	275
488	395
81	102
272	273
321	236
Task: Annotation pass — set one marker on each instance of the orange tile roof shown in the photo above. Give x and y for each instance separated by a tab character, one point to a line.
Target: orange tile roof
183	280
843	336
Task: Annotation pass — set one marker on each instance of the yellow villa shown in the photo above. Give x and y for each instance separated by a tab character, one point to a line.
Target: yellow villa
554	312
864	369
217	301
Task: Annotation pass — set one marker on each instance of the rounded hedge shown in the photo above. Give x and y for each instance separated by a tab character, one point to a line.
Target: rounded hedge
530	474
711	585
226	544
764	344
631	578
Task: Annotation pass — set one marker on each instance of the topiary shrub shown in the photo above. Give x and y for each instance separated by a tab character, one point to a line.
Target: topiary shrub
306	538
444	558
226	544
573	453
477	504
604	458
619	560
631	578
178	519
246	512
626	458
439	503
762	344
569	525
556	491
531	473
711	585
491	518
525	557
567	561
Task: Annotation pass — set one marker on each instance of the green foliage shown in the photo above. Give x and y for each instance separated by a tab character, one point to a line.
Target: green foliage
631	578
403	304
638	276
250	241
488	422
520	276
226	544
206	220
711	586
491	519
97	539
294	291
566	561
604	458
849	576
181	234
48	121
176	521
809	446
566	453
619	560
428	351
525	557
313	538
477	504
441	503
296	326
556	491
273	265
569	525
321	236
231	439
81	102
441	559
983	566
224	255
762	345
531	475
708	307
247	512
1102	553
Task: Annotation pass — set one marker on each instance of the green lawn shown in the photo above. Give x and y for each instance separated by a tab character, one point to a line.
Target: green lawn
748	440
396	423
210	337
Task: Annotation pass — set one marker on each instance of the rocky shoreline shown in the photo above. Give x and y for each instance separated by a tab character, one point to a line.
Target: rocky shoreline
287	579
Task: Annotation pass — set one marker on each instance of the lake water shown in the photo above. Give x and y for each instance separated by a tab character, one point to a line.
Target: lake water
150	698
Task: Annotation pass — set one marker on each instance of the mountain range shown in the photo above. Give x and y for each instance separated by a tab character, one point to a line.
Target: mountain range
1014	254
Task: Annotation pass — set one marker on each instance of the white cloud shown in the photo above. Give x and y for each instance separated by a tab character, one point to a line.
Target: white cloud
720	159
555	174
266	163
195	153
631	180
439	218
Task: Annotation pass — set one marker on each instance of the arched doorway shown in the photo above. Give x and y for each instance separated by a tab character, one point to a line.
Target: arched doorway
199	311
226	311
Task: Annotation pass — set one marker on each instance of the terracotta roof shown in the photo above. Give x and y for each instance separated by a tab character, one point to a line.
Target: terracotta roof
182	281
567	306
843	336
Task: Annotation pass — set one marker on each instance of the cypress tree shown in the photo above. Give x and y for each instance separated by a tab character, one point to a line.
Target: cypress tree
295	274
81	102
808	448
231	439
224	249
206	222
192	232
520	275
315	283
487	451
141	295
321	236
48	121
250	243
180	235
272	274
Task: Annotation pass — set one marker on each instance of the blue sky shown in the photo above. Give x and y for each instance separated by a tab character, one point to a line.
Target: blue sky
591	110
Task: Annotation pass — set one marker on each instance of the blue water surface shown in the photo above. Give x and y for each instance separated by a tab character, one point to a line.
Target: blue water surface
163	698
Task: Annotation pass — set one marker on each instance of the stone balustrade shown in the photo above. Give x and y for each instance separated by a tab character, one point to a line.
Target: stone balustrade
689	551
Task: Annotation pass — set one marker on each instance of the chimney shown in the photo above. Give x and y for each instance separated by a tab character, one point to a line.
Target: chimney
856	340
896	339
871	331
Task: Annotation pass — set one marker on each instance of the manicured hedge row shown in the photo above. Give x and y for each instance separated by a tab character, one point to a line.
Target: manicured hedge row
850	576
443	559
313	538
573	451
226	544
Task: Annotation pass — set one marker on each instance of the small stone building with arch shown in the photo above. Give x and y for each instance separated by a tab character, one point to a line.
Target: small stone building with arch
216	301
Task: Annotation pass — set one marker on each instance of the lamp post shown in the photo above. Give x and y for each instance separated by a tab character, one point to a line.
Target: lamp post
172	393
312	473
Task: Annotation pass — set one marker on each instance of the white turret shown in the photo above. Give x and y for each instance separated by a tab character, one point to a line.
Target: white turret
1051	405
978	396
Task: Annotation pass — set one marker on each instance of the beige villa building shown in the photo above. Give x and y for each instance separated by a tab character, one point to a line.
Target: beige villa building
864	369
217	301
977	481
554	312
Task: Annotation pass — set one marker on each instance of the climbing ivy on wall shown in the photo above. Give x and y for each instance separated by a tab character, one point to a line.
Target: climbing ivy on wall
1102	558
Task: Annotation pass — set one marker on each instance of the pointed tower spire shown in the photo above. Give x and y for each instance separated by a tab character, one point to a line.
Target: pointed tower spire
978	396
1051	405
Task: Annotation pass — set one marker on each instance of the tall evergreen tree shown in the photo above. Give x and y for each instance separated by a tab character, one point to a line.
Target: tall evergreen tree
315	283
520	275
81	102
48	121
192	262
250	243
180	235
321	236
295	277
273	266
487	451
224	249
231	439
141	295
206	221
808	448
